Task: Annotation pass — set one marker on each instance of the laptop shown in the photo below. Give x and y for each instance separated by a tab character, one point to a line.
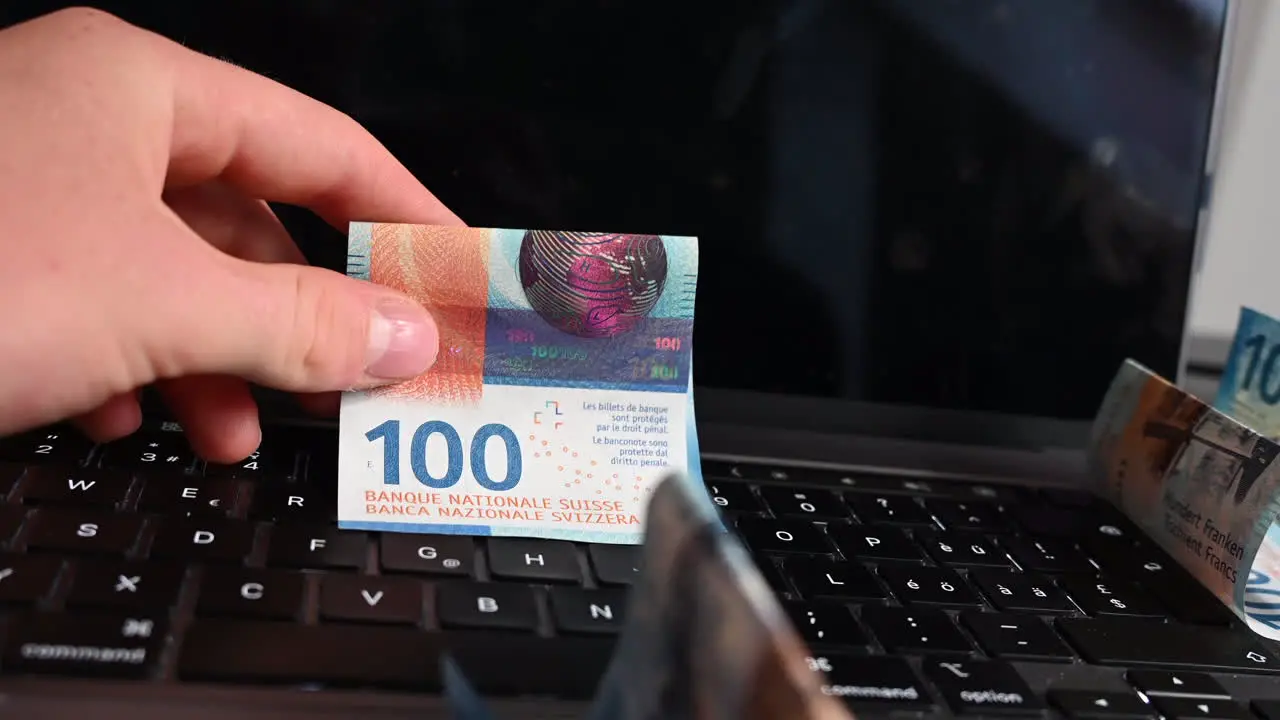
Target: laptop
930	233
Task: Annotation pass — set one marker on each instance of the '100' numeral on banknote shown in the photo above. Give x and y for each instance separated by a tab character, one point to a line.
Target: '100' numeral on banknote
560	395
1250	385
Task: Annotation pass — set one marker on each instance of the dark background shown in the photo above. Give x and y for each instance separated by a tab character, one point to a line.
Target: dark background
969	204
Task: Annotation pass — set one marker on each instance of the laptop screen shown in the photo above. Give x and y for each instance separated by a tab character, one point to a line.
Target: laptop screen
973	204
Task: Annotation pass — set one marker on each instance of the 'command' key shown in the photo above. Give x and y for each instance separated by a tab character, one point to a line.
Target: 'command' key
101	645
885	683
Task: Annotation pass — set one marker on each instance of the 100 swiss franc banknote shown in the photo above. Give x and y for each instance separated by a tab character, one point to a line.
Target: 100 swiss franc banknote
1200	484
561	394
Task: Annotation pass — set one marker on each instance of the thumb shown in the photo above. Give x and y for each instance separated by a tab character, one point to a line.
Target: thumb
305	329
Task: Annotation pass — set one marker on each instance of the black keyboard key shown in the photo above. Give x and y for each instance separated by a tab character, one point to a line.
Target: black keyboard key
83	531
616	565
968	516
85	645
877	543
452	555
1088	705
1162	578
1011	636
874	683
203	540
12	518
188	497
27	578
1267	709
960	549
61	485
1164	682
576	611
506	665
533	560
1180	708
1098	521
1069	498
733	497
1139	642
1102	596
361	598
269	461
288	653
804	503
486	606
250	593
823	578
1187	600
1053	521
826	625
914	630
982	686
158	452
10	473
928	586
772	575
889	509
50	445
317	547
125	585
1021	591
322	463
300	503
1139	562
782	536
1047	555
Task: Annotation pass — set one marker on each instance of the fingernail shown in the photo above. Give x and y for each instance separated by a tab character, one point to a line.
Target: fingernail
402	340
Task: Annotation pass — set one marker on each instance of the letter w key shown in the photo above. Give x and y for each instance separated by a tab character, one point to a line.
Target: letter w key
362	598
62	486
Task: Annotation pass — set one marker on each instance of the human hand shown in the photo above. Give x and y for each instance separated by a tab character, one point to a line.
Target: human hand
138	247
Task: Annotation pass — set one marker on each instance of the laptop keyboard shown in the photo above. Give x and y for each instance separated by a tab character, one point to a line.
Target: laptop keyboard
135	560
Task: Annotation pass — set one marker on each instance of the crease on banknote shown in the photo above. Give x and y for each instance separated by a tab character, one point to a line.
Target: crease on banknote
1199	482
704	636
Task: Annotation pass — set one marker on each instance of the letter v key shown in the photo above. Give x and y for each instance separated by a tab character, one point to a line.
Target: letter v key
373	599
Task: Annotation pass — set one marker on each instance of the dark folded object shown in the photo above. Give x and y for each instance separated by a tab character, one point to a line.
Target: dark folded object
704	638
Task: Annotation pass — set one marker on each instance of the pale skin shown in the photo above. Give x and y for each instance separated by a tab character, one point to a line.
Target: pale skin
138	248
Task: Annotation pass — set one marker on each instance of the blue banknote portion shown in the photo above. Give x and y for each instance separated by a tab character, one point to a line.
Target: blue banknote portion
521	349
1250	387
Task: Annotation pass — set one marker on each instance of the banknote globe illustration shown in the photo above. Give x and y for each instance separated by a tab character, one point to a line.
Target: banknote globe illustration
593	285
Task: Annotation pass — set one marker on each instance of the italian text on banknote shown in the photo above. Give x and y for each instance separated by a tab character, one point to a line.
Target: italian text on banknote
1249	390
560	396
1202	485
704	639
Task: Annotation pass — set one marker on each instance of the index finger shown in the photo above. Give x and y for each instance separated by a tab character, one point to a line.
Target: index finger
277	144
